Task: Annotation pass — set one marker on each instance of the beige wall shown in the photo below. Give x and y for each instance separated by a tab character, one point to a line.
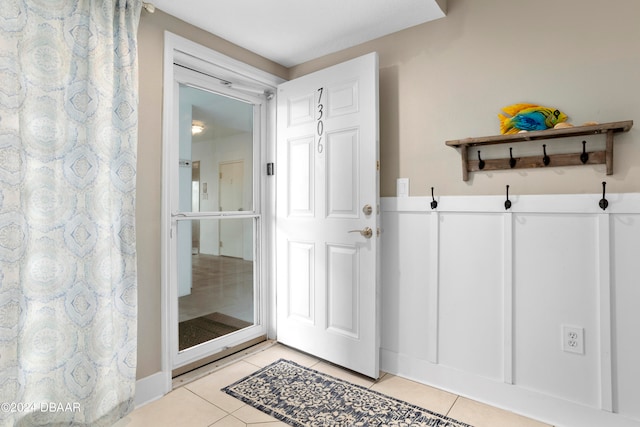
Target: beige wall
448	79
149	179
439	81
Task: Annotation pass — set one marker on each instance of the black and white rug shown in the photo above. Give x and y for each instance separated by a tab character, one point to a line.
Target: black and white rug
301	396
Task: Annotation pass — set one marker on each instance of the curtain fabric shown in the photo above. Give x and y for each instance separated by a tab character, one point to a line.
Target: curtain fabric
68	144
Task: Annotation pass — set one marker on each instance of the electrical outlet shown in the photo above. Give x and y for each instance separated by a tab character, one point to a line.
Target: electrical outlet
573	339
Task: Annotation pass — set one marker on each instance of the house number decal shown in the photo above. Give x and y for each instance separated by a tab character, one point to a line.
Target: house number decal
320	121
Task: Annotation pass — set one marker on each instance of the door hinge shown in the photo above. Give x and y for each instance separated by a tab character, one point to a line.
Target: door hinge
270	169
378	165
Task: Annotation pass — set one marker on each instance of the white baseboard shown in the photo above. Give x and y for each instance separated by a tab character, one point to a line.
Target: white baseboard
554	411
149	389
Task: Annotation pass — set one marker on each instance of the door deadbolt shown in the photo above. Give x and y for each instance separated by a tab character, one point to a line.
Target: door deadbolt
365	232
367	209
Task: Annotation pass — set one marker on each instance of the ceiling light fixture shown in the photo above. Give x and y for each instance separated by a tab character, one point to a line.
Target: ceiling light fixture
196	127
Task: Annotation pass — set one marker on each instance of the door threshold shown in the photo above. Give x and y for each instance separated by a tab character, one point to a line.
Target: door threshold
196	370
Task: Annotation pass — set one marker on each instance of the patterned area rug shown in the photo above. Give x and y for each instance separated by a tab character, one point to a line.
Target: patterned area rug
301	396
202	329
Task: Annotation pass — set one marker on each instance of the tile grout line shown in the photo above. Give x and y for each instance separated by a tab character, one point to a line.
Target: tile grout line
207	401
229	415
452	405
384	374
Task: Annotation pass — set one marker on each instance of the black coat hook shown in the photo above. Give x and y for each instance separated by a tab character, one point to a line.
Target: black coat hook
480	161
546	159
512	161
434	204
507	203
584	157
603	202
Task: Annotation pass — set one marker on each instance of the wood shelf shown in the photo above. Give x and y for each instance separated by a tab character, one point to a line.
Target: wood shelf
595	157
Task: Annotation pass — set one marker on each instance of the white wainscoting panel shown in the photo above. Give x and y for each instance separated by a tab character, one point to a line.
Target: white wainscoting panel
555	284
474	298
625	262
405	292
471	276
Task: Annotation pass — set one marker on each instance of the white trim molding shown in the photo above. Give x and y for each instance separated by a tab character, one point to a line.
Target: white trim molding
149	389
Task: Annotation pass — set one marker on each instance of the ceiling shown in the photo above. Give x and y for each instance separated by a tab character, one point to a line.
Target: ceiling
290	32
221	116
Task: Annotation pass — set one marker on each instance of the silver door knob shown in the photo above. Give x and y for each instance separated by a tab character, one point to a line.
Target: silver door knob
365	232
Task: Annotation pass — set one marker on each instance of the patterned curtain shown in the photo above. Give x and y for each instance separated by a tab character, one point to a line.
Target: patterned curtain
68	141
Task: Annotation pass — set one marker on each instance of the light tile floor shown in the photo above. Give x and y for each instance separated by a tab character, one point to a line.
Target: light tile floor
197	400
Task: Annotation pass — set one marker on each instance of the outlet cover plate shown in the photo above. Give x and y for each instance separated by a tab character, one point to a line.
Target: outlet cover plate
573	339
402	187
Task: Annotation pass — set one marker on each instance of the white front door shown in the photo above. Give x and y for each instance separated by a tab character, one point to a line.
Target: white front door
327	192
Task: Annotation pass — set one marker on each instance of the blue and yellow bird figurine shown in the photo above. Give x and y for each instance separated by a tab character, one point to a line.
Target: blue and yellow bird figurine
529	117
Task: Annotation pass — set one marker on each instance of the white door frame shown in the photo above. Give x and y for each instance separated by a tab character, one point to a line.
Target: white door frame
203	59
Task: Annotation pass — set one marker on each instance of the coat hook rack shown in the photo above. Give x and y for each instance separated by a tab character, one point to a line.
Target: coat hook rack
604	204
584	157
468	147
545	159
480	162
434	204
507	203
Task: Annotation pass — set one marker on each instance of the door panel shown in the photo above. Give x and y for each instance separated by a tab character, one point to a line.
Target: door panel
343	196
300	171
342	290
343	99
231	197
300	296
327	271
300	110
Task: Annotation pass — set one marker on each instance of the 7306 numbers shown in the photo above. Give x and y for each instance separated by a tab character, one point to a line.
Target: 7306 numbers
320	121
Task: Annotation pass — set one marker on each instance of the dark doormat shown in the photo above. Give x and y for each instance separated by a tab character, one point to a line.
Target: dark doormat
205	328
301	396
